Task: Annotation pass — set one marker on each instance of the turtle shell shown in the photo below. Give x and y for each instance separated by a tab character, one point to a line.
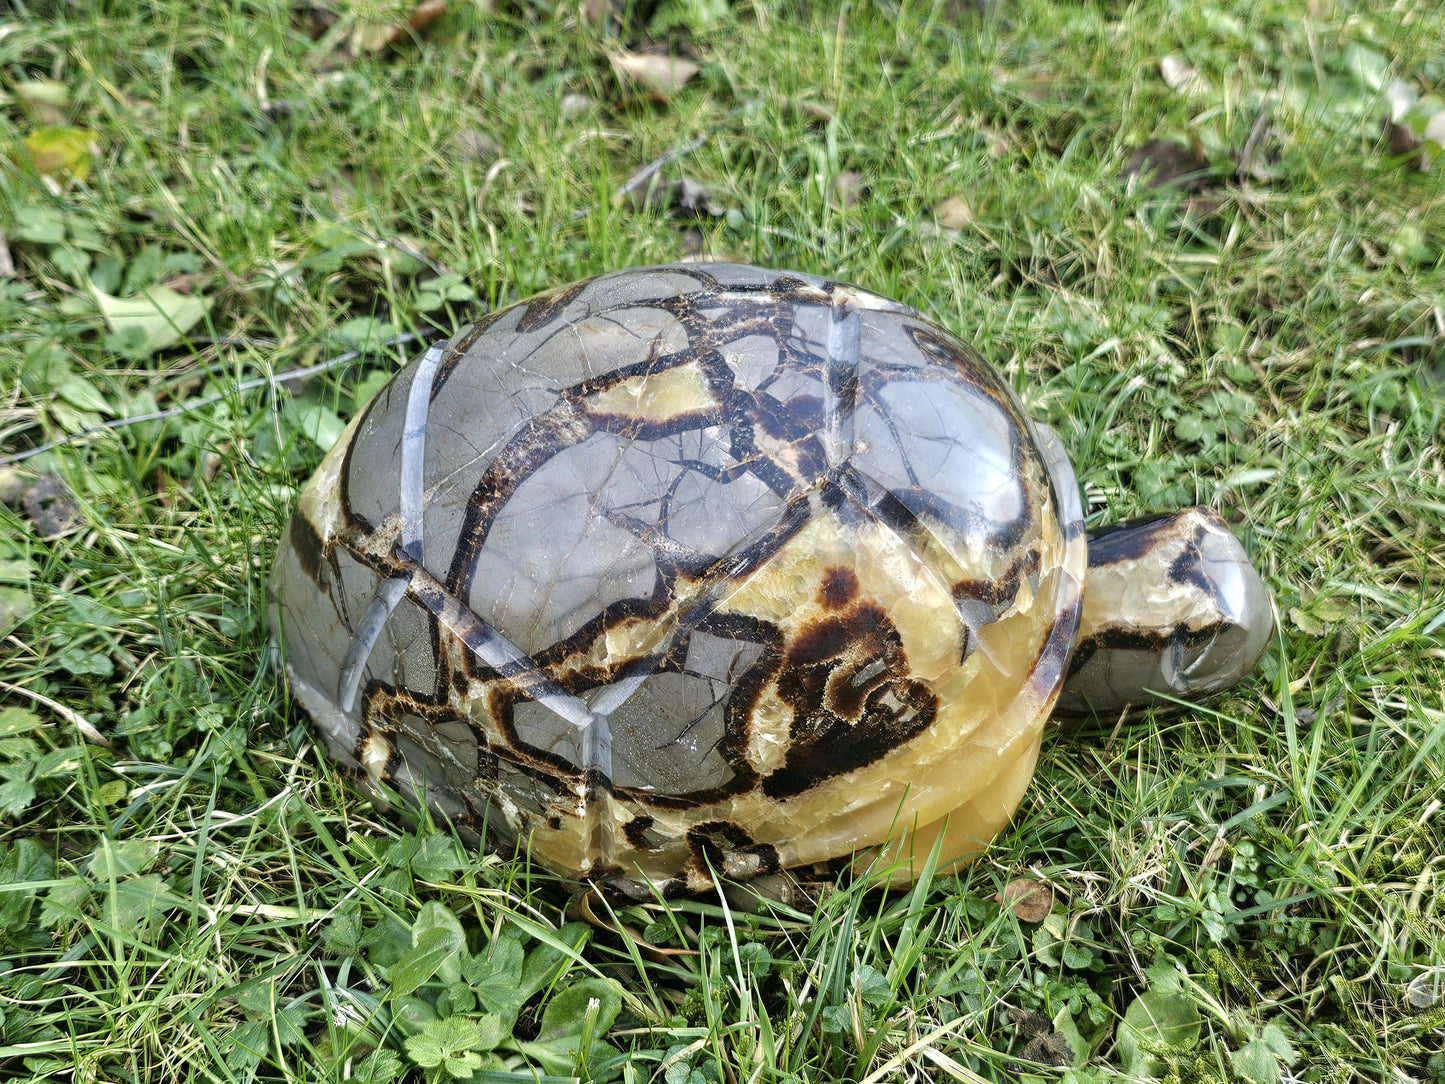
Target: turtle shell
690	571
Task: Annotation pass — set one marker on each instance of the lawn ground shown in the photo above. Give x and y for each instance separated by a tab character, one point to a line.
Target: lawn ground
193	202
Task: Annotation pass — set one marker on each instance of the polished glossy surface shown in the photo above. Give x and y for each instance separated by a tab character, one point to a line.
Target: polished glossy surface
1173	610
691	569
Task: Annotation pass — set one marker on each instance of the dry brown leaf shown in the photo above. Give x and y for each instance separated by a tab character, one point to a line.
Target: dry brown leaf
479	144
1402	140
997	144
953	213
1030	899
849	186
684	196
1039	85
50	506
1048	1048
45	100
574	105
656	72
1163	161
1434	133
58	152
13	484
374	37
814	113
1181	76
1261	150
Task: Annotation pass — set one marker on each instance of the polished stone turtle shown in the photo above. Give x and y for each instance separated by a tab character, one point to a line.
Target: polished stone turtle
708	571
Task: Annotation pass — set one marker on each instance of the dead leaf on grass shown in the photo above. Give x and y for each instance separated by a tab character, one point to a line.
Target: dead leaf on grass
574	105
480	145
1425	989
1030	899
656	72
1403	141
1036	85
996	143
850	187
50	506
156	318
1262	150
57	151
813	113
1434	134
375	37
45	100
1181	76
595	12
13	484
954	213
1048	1048
685	196
1164	161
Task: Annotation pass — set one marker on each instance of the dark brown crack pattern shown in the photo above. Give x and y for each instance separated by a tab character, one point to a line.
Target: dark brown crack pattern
702	550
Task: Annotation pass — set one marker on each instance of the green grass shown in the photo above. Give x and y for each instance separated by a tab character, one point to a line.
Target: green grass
207	901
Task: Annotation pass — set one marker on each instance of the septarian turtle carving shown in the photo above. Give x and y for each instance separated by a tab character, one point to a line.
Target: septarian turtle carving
711	570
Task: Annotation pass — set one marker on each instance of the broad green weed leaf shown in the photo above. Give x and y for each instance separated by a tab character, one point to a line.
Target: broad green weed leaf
64	900
412	1014
1256	1063
57	151
291	1025
435	856
387	941
567	1012
380	1067
872	986
16	795
343	933
1065	1025
366	333
1157	1022
117	859
47	100
136	901
1274	1037
15	606
496	977
249	1044
1164	975
318	424
38	224
451	1039
1369	67
18	721
23	862
544	961
80	662
79	392
26	860
156	319
431	950
436	916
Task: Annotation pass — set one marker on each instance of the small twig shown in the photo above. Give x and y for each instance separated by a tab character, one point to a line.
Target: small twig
647	172
273	379
77	720
1245	169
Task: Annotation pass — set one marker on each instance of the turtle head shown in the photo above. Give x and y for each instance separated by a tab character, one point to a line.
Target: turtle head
1173	609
